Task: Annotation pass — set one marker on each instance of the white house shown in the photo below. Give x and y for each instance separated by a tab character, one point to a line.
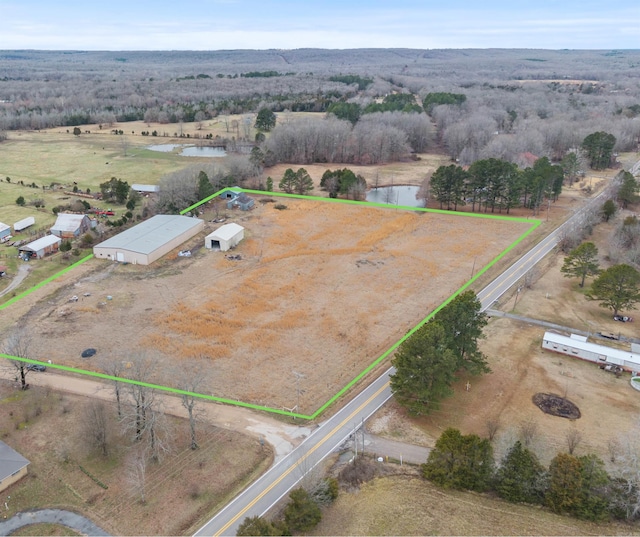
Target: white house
579	347
225	237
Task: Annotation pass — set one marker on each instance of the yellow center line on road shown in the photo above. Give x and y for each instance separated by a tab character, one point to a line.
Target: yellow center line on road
300	461
513	268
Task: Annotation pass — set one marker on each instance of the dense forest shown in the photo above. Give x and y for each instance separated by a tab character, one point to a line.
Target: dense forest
473	104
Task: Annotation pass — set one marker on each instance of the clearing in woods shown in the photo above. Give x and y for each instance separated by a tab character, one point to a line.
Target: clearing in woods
321	290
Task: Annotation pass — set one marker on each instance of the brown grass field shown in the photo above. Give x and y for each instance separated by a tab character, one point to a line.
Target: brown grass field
403	505
322	290
182	490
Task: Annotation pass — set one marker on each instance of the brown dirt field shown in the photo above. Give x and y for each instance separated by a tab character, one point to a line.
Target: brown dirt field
412	506
46	427
322	289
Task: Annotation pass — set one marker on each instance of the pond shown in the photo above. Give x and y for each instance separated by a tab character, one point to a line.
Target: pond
188	150
402	195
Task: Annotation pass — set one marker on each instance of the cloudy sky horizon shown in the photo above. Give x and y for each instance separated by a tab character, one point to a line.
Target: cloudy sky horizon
287	24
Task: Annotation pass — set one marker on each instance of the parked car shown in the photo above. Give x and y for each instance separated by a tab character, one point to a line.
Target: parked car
36	367
622	318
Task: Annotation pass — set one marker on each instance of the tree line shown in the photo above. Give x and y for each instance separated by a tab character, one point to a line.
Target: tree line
491	185
578	486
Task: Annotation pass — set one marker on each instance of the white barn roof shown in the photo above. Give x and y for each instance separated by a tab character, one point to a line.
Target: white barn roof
24	223
151	234
41	243
145	188
617	354
4	227
226	232
68	222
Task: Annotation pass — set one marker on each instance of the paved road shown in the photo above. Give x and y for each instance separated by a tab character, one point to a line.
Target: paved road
76	522
510	277
258	498
281	478
23	272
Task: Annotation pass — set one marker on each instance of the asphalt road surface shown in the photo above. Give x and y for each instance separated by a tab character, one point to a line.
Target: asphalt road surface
264	493
258	498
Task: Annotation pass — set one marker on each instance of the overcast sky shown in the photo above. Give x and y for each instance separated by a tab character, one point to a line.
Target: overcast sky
242	24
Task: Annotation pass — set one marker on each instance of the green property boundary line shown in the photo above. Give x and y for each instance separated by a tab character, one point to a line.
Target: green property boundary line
534	223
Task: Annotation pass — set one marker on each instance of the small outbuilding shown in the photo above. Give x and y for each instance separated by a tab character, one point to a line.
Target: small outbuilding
68	226
145	189
49	244
5	230
225	237
13	466
149	241
24	223
242	201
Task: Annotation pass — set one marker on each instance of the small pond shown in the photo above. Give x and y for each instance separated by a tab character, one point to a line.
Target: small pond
402	195
188	150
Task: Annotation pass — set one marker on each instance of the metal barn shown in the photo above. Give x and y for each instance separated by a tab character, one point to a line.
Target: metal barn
149	241
225	237
49	244
68	226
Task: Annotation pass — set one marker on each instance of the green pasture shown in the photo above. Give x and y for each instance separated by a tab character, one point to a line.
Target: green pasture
45	157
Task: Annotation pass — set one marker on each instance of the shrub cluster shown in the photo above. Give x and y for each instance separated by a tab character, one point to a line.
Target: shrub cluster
576	486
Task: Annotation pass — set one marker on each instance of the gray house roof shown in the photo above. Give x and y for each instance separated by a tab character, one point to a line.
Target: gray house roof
10	461
151	234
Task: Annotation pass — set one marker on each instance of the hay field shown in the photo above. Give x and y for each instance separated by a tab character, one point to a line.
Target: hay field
321	291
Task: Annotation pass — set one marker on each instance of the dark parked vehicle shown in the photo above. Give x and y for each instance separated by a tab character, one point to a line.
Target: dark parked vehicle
88	353
622	318
36	367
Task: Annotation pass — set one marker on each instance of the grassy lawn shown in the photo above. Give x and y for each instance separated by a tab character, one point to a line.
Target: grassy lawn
46	157
40	269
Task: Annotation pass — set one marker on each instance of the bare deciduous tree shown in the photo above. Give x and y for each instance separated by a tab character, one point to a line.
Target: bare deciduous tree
573	438
115	367
18	344
493	426
137	473
528	432
143	415
190	377
95	426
